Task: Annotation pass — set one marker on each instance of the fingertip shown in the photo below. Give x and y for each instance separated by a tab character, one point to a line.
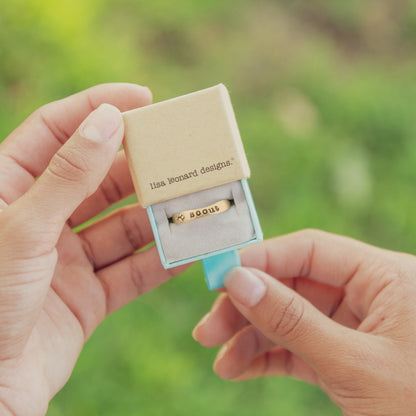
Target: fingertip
196	333
148	95
223	367
244	286
201	333
145	94
125	95
219	368
220	323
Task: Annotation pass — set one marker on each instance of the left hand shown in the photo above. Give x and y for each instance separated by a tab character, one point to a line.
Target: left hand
325	309
56	285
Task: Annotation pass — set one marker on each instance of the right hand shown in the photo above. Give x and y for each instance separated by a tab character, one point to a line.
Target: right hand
324	309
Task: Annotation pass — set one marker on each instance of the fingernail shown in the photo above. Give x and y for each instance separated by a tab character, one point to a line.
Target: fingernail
101	124
244	286
149	94
221	354
199	324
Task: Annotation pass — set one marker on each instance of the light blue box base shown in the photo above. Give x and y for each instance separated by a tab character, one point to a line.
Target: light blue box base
216	268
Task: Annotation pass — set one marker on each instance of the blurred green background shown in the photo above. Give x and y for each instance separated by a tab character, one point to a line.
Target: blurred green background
324	95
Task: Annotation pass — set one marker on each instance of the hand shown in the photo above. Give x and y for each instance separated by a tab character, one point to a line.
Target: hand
56	286
324	309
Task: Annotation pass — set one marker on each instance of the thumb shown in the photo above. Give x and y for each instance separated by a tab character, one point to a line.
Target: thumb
32	225
289	320
73	174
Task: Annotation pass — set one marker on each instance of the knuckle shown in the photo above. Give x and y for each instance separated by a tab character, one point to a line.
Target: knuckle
39	112
44	116
111	190
309	233
136	275
406	266
69	165
132	229
285	319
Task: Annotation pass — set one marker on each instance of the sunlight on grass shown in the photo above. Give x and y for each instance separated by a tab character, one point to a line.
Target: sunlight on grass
324	97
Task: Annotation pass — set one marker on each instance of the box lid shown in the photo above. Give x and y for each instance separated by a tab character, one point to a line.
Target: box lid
184	145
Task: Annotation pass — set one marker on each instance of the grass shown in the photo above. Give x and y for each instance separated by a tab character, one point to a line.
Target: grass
324	96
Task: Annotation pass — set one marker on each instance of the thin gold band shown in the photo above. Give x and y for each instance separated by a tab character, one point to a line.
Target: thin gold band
193	214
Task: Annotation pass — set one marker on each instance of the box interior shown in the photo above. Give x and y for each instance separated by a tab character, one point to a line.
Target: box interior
207	234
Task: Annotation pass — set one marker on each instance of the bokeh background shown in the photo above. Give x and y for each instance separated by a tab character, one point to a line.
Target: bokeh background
324	94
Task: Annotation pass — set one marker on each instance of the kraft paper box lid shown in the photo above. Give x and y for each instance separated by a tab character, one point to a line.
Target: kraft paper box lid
184	145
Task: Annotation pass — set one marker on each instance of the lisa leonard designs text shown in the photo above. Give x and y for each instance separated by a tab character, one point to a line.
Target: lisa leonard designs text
192	174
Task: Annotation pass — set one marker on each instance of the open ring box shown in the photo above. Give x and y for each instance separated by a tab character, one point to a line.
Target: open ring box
186	154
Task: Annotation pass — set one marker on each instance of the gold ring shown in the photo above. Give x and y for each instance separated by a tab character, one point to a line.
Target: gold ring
193	214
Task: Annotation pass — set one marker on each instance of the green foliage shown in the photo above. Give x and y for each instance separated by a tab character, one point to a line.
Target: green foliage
324	95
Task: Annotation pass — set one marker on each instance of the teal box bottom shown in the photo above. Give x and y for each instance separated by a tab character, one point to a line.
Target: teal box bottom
258	236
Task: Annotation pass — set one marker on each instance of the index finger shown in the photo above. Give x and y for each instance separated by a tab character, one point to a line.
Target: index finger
363	270
317	255
26	152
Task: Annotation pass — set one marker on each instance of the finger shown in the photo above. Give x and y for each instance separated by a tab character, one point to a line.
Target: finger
323	297
134	276
329	300
27	151
220	324
236	355
314	254
91	297
73	174
116	236
3	205
115	186
279	362
289	320
329	259
344	315
224	320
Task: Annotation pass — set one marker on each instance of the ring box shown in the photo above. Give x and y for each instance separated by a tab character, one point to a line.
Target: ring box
184	154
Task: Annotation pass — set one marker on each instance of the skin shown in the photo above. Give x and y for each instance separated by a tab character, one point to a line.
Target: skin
321	308
324	309
56	285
